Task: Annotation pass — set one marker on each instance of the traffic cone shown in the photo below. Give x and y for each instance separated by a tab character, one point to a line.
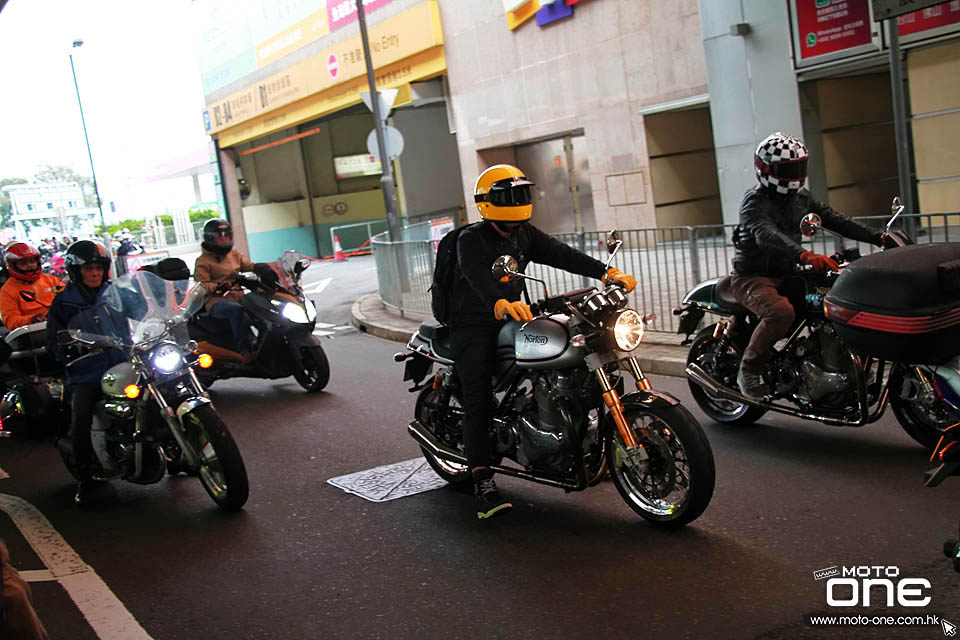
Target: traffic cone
338	250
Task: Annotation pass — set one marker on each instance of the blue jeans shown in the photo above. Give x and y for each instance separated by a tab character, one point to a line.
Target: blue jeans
233	313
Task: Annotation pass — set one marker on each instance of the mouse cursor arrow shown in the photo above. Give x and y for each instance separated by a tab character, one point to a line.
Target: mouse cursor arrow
948	628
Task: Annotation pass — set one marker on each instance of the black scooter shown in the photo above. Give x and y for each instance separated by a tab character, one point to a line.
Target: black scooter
282	318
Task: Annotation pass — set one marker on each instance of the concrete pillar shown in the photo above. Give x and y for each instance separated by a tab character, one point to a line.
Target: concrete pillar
231	193
753	88
196	188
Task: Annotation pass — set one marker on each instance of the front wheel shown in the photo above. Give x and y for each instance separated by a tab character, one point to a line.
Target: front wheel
313	371
724	367
670	480
921	413
222	471
444	419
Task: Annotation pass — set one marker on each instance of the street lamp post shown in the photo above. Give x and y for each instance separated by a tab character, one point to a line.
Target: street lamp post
96	191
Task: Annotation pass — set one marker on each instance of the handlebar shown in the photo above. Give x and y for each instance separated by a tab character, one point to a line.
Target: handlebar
558	303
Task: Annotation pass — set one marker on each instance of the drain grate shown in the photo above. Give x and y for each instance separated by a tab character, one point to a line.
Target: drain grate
389	482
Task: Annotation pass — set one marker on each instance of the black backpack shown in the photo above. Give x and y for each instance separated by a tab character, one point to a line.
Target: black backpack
442	287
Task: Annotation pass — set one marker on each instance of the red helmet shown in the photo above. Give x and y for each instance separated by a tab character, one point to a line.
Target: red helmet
17	252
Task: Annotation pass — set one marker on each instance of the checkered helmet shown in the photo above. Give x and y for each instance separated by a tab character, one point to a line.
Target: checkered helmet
781	163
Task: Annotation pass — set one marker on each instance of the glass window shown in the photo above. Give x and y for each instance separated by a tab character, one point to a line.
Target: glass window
49	205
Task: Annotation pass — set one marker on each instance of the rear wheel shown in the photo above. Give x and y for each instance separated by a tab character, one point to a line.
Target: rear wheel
222	471
669	480
314	374
724	367
921	413
444	419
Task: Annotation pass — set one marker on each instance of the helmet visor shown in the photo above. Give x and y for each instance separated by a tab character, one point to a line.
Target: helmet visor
513	192
789	169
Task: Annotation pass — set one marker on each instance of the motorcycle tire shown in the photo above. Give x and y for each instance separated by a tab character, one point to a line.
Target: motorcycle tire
671	438
315	373
222	471
428	401
917	422
702	352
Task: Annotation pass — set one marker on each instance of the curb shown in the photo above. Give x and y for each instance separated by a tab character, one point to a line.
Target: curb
658	356
380	329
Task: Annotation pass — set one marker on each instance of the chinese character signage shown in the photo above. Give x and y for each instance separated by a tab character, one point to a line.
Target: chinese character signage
931	21
828	29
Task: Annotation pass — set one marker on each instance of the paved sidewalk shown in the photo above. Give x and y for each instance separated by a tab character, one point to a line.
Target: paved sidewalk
660	353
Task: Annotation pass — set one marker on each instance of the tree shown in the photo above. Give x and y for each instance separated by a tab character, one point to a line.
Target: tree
6	208
63	173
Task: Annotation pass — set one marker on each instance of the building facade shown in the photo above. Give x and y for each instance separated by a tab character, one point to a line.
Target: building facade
42	209
625	113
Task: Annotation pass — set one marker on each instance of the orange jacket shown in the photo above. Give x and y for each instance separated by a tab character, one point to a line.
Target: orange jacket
211	269
15	310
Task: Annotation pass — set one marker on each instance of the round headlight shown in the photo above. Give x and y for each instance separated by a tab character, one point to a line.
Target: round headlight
628	330
167	358
294	313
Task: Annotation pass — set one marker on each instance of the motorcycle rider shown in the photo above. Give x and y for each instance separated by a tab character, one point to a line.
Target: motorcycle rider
88	265
216	268
479	303
128	246
26	296
768	248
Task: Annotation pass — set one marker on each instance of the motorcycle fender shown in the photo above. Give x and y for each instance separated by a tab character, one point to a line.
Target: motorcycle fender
417	368
298	341
189	405
648	399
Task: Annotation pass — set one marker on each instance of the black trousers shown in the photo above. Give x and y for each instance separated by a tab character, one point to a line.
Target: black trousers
475	349
83	398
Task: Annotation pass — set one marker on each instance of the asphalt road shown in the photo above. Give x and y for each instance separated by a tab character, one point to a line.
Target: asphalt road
306	560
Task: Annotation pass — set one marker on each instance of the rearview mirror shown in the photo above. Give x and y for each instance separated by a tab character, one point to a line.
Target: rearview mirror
810	224
504	267
613	241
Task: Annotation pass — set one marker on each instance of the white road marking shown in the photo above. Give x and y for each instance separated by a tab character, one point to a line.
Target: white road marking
325	325
38	575
321	334
98	604
342	328
317	287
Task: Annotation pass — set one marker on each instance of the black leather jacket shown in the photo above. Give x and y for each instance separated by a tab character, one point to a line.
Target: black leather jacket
474	288
768	236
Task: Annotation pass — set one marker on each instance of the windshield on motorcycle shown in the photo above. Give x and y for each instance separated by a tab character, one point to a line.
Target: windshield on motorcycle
285	267
139	308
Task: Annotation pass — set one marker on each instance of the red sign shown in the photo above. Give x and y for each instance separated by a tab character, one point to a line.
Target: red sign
930	18
333	67
342	12
829	26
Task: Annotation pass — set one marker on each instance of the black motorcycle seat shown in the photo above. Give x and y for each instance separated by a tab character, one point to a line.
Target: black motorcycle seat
438	336
725	296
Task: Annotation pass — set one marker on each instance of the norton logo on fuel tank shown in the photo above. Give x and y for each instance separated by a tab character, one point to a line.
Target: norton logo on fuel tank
532	339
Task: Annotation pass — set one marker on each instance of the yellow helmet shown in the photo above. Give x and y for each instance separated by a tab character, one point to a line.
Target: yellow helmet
502	194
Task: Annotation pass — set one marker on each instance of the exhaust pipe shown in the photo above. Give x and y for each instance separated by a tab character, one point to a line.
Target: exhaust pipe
427	440
713	386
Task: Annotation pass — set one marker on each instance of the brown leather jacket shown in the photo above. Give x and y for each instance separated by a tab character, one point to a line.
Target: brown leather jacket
211	270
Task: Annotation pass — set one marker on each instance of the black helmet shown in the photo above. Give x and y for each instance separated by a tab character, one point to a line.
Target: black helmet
85	252
217	236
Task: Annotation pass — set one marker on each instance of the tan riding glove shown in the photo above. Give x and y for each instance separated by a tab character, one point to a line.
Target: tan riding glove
519	311
629	282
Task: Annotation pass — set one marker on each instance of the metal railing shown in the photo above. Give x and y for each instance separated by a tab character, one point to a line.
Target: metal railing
667	262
